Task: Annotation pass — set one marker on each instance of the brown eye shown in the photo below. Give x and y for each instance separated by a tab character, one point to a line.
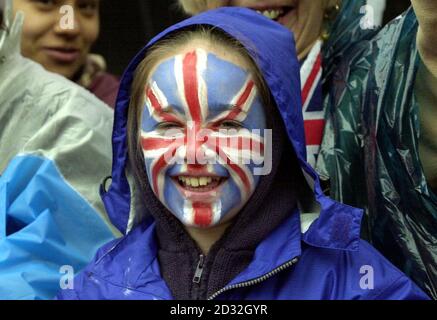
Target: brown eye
89	8
231	124
45	4
168	125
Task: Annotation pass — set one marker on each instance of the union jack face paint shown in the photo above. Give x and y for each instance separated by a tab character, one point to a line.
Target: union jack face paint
203	119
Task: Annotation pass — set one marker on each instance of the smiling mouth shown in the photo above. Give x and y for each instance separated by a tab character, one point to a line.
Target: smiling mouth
199	184
274	13
62	54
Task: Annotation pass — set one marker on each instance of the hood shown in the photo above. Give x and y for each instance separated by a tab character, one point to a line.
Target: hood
273	49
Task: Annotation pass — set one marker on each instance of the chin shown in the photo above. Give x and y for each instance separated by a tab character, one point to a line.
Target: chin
66	72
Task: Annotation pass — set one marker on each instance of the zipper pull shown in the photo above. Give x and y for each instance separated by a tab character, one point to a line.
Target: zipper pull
199	270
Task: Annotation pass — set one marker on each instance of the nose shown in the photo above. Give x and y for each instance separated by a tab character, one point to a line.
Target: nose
67	25
195	140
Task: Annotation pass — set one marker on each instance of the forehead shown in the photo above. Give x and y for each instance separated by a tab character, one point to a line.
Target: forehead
216	78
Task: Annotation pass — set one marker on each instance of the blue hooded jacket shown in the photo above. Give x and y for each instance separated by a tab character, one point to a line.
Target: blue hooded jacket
326	260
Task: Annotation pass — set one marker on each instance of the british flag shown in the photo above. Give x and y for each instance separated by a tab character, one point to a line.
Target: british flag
312	103
195	120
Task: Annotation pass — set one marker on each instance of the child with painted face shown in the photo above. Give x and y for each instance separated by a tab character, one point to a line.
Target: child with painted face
212	210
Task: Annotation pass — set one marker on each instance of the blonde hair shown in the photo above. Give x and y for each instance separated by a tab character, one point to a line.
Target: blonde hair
166	47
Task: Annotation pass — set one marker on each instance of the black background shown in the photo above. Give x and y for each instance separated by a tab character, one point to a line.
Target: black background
127	25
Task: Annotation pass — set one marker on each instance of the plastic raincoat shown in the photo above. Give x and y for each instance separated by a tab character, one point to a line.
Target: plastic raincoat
54	151
370	147
323	260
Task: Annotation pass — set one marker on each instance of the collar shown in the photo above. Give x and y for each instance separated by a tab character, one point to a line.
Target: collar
337	228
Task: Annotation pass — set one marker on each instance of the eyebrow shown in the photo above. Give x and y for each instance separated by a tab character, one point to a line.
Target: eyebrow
172	109
167	109
235	108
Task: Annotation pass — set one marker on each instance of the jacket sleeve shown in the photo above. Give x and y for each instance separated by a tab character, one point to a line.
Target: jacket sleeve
86	285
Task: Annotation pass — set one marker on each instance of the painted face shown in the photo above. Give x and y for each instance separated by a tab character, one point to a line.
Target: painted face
46	40
197	136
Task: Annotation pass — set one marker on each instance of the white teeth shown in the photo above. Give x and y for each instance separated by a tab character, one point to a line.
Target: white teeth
194	182
185	180
197	181
271	14
202	181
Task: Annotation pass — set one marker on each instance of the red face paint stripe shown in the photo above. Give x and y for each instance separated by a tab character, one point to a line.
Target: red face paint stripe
243	98
192	143
154	101
202	214
240	173
191	85
241	101
149	144
158	166
158	108
234	167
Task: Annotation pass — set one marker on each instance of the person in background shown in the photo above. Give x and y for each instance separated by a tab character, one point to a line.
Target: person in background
55	150
63	50
370	108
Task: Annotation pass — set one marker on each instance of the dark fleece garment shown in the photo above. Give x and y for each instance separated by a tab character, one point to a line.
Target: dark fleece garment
273	200
105	87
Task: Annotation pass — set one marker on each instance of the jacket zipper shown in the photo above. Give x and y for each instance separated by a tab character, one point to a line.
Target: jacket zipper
257	280
199	269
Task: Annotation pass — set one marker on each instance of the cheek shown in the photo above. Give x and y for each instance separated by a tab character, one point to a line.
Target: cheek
147	122
36	27
256	118
90	30
310	13
243	3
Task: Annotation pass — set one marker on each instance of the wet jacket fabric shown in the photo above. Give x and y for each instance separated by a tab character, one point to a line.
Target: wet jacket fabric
370	151
324	259
54	152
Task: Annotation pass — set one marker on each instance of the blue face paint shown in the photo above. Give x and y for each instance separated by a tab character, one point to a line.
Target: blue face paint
199	104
